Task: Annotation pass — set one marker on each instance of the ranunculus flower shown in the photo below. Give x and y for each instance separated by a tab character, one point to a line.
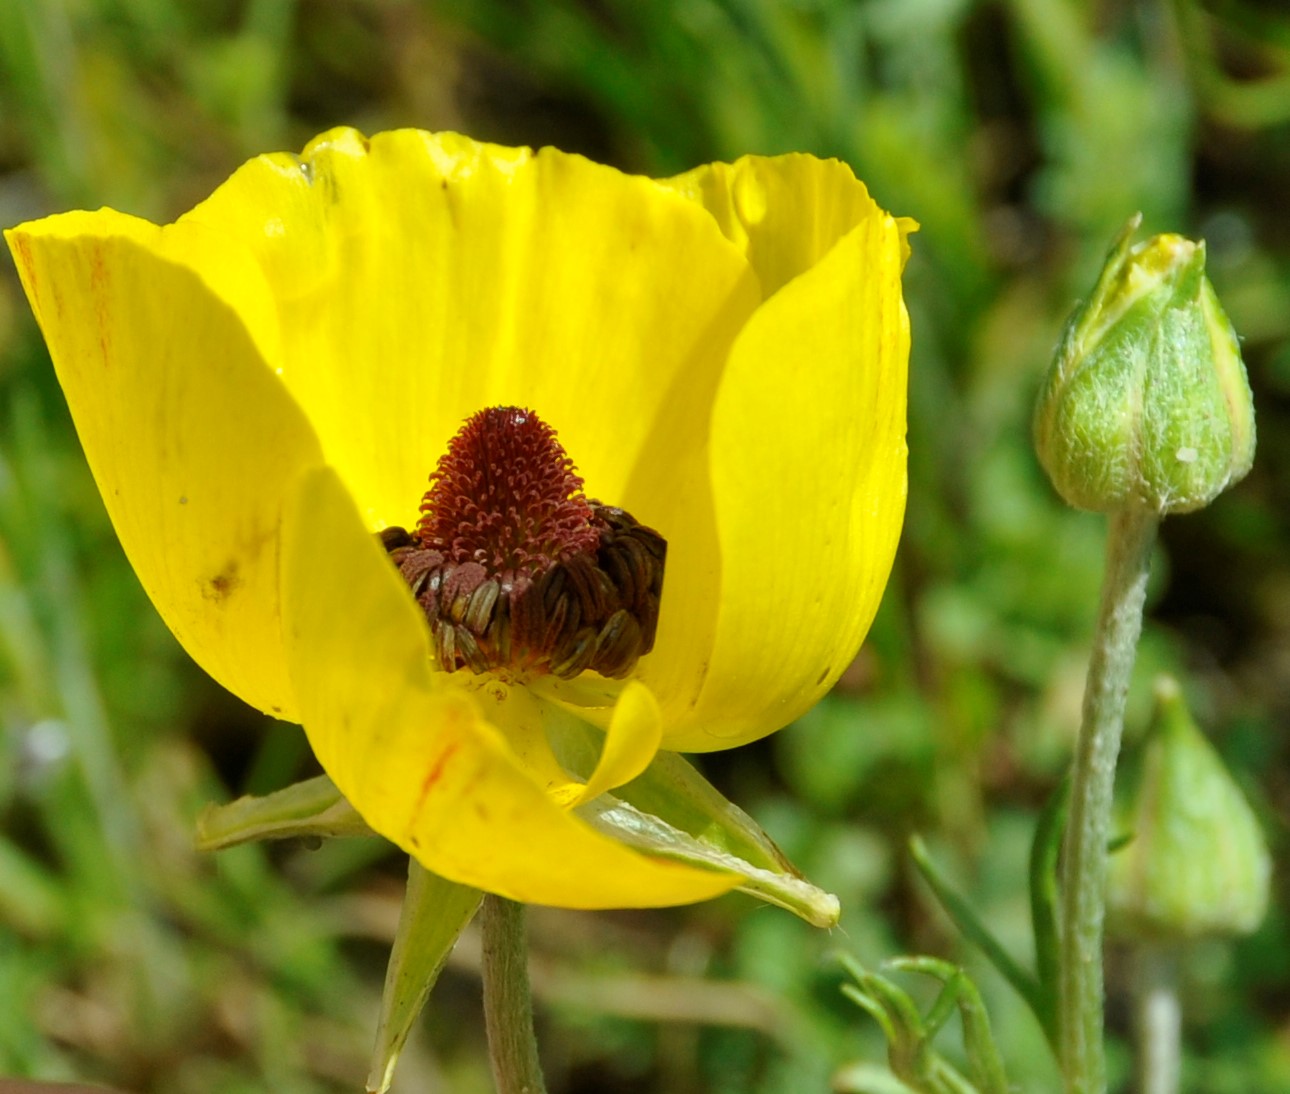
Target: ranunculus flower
265	384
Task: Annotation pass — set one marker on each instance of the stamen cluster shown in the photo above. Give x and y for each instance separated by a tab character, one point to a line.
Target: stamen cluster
517	570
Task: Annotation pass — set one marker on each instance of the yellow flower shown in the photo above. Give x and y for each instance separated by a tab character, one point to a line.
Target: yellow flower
262	385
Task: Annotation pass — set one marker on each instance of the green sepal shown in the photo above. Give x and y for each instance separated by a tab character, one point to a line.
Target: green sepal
313	809
781	886
673	812
435	912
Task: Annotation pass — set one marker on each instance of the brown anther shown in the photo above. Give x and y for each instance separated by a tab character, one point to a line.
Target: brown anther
517	570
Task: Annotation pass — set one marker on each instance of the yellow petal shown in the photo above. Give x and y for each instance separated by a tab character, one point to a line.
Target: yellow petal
522	719
191	439
808	470
626	711
630	743
414	753
784	212
423	276
807	439
671	490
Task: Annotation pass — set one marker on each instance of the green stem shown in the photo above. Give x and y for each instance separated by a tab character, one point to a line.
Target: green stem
508	1003
1131	536
1159	1020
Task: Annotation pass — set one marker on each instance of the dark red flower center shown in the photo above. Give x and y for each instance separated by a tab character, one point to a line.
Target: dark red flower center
505	495
517	570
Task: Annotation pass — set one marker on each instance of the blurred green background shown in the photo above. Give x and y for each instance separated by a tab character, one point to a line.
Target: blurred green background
1021	134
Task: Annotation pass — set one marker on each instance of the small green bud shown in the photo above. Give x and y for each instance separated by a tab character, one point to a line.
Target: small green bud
1197	862
1147	400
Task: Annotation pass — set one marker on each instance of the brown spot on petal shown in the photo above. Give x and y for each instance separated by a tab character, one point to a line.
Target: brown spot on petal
220	587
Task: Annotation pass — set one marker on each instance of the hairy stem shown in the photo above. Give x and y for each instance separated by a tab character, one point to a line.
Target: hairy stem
508	1003
1080	1004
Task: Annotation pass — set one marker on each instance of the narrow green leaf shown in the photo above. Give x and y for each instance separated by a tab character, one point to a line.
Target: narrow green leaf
983	1053
903	1025
873	1008
943	1078
1044	853
976	932
435	912
945	1003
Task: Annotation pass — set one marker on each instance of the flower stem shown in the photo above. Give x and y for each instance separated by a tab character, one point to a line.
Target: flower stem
1080	1005
508	1003
1159	1020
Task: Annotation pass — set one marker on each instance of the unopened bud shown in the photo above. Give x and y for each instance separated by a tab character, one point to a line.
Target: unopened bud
1197	862
1147	401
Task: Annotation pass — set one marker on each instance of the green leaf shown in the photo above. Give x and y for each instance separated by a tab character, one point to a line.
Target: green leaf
1044	852
910	1054
907	1038
976	932
961	992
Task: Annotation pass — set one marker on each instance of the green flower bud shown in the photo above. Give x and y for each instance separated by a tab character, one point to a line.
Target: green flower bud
1147	401
1197	862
